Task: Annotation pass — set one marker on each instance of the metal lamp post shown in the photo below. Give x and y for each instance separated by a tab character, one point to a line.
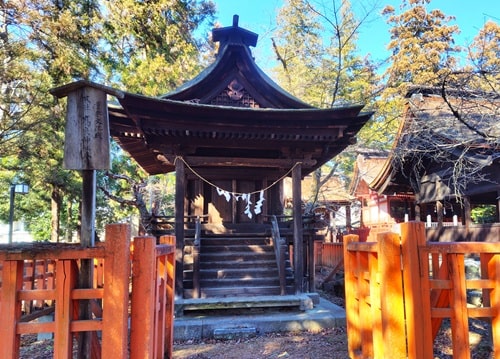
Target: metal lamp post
15	188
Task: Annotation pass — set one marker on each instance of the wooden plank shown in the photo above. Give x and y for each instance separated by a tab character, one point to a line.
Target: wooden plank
34	327
334	271
37	314
88	293
55	252
85	326
463	247
194	161
41	294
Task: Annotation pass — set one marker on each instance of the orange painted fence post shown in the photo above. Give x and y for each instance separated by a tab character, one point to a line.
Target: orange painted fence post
170	294
116	292
143	298
365	324
354	342
66	278
391	297
494	275
416	282
10	308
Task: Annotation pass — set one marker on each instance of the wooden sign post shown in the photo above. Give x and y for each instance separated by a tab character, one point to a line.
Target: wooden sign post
86	148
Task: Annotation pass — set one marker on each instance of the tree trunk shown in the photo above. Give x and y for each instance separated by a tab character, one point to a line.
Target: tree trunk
55	201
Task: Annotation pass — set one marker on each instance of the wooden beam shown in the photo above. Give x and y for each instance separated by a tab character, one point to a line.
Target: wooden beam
197	161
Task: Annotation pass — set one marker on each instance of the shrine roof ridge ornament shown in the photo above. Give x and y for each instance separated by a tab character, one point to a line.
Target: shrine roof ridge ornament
234	35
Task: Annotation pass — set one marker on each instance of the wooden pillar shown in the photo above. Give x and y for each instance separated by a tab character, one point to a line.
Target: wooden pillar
348	220
264	209
298	240
439	213
180	194
234	205
417	212
467	221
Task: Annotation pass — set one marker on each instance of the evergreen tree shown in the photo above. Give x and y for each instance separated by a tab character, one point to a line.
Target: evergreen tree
150	47
61	40
484	56
422	44
49	43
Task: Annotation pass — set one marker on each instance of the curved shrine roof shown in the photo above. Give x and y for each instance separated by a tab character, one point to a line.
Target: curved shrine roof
231	120
234	79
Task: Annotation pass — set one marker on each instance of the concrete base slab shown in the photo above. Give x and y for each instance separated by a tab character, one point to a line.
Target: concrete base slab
323	315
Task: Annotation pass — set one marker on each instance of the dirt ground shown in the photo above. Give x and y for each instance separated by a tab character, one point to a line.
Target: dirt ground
331	343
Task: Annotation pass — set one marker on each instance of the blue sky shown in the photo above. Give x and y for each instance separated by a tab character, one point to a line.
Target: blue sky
259	16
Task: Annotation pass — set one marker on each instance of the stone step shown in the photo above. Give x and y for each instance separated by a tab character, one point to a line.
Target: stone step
301	301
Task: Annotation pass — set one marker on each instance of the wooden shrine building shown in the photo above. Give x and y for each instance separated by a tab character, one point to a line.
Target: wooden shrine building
419	180
232	135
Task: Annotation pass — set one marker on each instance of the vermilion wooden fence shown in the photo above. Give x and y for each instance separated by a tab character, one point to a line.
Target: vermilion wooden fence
152	274
328	255
38	274
399	289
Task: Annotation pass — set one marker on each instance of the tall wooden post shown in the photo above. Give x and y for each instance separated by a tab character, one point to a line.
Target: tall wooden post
180	189
417	212
298	235
439	213
348	219
86	148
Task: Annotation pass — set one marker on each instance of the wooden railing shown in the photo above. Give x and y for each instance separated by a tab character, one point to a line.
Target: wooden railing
329	254
37	274
279	245
399	289
196	258
153	265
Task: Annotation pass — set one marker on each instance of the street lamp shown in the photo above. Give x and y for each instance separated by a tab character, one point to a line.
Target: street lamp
15	188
